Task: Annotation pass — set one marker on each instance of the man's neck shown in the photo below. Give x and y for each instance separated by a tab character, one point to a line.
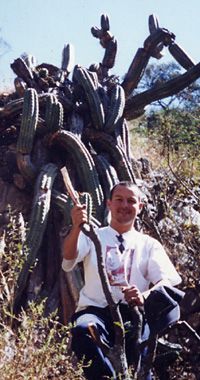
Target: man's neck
121	228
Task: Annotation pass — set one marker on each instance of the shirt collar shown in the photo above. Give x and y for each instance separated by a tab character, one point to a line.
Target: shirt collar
125	235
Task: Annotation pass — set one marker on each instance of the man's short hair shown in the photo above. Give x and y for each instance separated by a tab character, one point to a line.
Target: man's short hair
127	184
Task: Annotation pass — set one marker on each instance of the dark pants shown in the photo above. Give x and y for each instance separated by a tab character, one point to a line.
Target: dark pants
96	365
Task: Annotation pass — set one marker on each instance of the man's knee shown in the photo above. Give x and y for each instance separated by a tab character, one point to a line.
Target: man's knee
82	342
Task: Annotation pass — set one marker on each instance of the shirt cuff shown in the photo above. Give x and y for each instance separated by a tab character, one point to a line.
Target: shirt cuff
68	265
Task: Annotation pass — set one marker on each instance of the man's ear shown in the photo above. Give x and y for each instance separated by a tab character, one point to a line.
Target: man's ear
108	203
141	206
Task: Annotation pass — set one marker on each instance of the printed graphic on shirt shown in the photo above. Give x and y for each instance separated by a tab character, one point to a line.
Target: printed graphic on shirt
118	266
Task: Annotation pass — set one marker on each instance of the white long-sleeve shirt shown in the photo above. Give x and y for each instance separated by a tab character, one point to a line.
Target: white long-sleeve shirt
143	261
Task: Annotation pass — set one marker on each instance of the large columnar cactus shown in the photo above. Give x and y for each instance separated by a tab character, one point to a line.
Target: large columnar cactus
78	123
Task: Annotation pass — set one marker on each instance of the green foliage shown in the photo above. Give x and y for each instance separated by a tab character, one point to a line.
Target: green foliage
172	124
12	258
32	345
177	134
37	348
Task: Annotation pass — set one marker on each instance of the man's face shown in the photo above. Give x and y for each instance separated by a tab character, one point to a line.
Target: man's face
124	206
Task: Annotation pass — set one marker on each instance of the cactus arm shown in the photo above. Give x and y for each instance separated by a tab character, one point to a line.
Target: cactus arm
12	108
142	57
153	27
28	122
180	55
84	165
116	109
122	134
108	42
50	101
76	124
37	225
30	60
110	53
169	88
105	23
68	58
65	204
20	86
89	86
22	70
104	142
26	135
107	174
54	114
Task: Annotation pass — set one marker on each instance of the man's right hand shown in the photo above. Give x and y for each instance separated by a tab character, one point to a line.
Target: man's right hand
79	216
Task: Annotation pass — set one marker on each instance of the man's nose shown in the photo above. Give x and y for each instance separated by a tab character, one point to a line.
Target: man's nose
124	203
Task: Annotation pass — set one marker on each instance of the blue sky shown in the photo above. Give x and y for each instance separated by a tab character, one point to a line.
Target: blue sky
42	28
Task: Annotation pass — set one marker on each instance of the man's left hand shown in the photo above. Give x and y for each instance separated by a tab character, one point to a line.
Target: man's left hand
133	296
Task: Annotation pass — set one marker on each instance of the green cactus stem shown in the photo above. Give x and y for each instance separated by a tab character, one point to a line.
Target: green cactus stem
26	135
85	167
103	142
116	108
54	114
28	122
36	226
123	137
65	204
107	174
76	124
85	80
